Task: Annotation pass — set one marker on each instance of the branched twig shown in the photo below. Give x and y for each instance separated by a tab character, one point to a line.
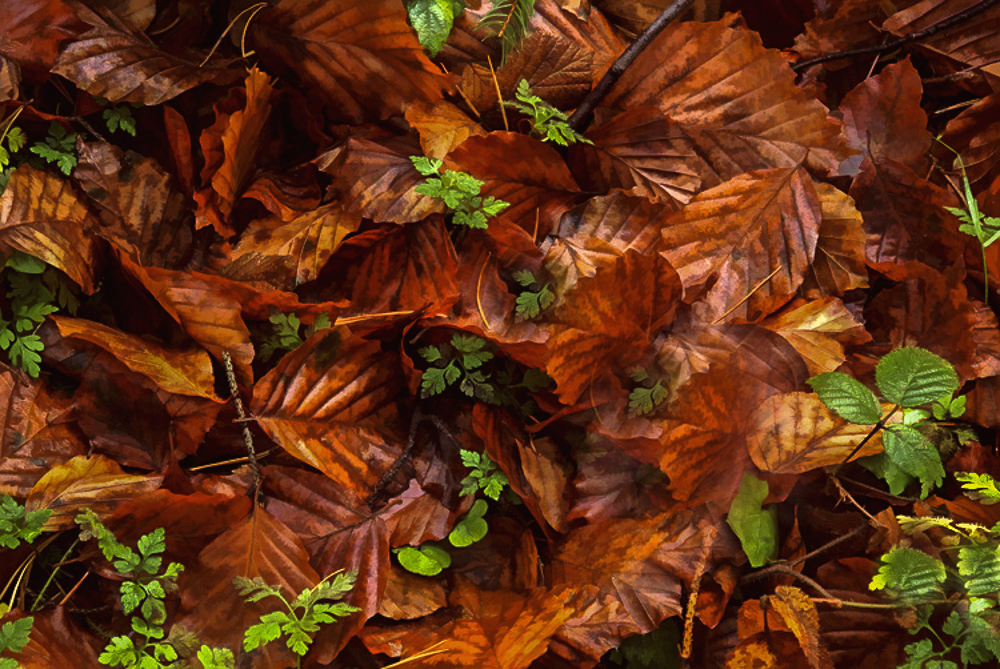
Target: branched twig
905	39
579	117
254	491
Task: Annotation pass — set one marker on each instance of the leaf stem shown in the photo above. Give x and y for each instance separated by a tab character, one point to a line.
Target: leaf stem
878	426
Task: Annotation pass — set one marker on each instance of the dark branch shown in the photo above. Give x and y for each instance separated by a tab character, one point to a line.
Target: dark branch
906	39
617	69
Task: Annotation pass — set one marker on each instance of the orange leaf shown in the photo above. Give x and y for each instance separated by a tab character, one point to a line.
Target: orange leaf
442	126
94	482
302	245
143	215
839	264
42	215
736	101
182	372
230	146
363	61
33	31
742	231
329	403
883	117
121	64
56	641
608	320
793	433
818	330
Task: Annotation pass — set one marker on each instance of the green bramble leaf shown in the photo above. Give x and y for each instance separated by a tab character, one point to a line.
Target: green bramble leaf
910	575
755	526
426	560
980	487
913	376
847	397
912	452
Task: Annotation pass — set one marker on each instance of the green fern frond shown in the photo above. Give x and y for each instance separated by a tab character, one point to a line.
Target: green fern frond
508	21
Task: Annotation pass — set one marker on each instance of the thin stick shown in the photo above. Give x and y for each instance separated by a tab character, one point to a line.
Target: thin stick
749	295
479	285
247	436
905	39
496	86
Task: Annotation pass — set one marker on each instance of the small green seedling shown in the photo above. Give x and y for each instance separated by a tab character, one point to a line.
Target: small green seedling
535	298
485	475
467	356
14	636
59	147
286	333
17	525
471	527
547	122
15	141
647	395
908	378
986	229
119	117
34	289
426	560
460	192
302	617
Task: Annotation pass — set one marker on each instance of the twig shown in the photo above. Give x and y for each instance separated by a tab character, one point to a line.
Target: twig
617	69
786	569
905	39
830	544
254	491
850	498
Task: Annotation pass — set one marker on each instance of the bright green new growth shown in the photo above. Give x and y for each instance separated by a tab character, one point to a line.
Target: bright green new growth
34	288
59	147
910	575
303	616
547	122
433	19
485	475
286	333
14	636
17	525
428	560
508	21
535	298
471	527
907	377
754	525
460	192
643	399
15	139
986	229
981	487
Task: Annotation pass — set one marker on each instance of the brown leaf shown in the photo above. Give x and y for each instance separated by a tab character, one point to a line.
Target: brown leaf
231	146
736	101
641	151
759	225
408	596
704	439
839	264
32	31
595	333
973	45
522	171
983	402
377	180
402	267
182	372
35	435
141	213
793	433
329	403
975	134
486	630
883	118
818	330
42	215
302	245
905	221
56	640
442	126
123	65
258	545
363	61
94	482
